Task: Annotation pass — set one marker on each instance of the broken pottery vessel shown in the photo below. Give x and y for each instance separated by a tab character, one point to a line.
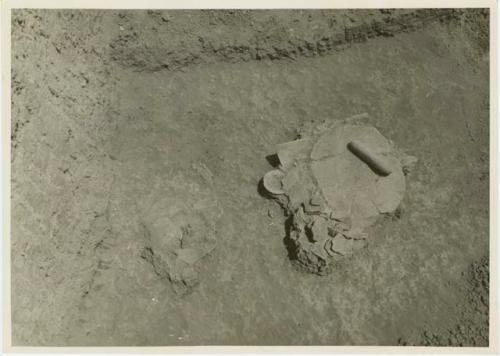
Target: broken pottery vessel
178	226
334	181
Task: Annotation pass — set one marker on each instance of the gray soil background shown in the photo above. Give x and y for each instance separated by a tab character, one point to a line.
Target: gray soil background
113	109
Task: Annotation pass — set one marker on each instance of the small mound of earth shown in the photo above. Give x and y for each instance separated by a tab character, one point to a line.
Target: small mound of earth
179	228
334	181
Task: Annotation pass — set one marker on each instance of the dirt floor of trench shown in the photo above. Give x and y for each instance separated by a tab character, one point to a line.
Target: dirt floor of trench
103	123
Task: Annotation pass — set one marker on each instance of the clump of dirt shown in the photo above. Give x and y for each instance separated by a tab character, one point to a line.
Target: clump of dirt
178	228
334	182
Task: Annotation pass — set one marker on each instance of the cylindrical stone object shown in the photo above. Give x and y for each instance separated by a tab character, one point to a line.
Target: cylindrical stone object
377	164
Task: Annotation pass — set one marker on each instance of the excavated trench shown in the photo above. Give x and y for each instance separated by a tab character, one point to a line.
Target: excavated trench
135	149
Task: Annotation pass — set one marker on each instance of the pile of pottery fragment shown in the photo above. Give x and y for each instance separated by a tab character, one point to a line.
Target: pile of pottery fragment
334	181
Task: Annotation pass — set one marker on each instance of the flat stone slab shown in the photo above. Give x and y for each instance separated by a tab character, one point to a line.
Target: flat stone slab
351	187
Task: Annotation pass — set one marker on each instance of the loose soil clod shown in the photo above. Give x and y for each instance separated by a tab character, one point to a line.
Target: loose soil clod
179	229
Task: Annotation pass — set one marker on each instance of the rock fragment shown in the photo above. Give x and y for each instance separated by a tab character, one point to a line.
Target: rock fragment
290	151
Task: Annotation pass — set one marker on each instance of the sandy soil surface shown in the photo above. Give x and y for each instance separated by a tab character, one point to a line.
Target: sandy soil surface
116	112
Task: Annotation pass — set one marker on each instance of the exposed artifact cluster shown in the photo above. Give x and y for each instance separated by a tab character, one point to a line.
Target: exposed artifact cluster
334	181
